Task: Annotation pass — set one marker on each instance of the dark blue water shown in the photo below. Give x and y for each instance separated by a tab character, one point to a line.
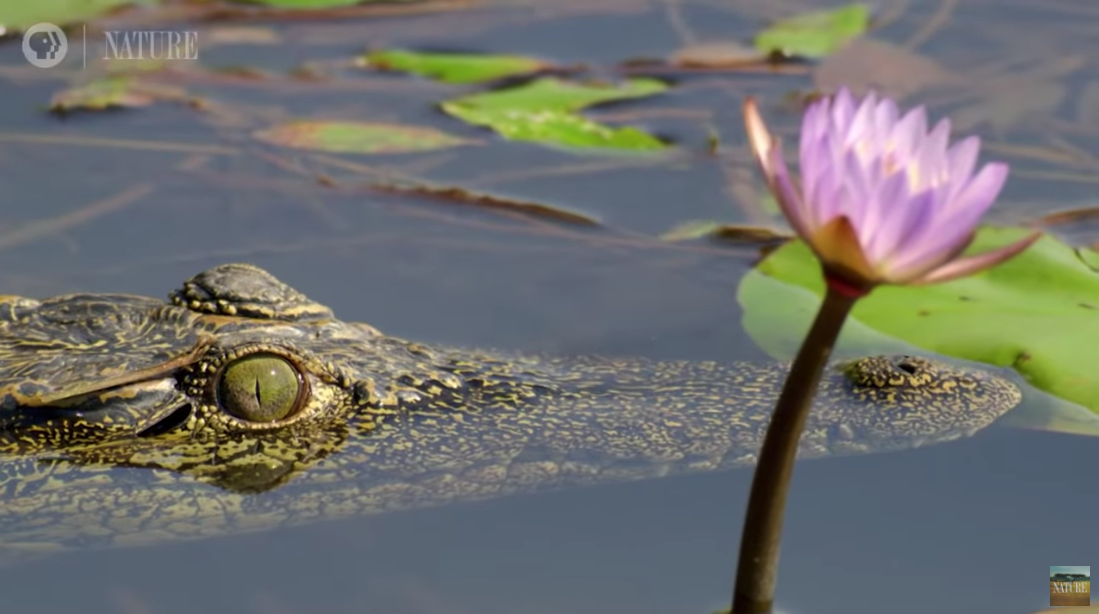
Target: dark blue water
966	527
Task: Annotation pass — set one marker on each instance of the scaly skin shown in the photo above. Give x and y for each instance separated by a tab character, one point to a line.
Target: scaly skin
112	432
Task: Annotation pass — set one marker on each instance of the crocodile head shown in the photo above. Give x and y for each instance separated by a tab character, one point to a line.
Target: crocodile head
241	404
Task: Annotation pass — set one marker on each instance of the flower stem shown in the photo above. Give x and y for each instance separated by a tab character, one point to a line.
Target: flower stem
757	568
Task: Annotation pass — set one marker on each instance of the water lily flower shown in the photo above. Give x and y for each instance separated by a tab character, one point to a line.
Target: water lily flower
881	199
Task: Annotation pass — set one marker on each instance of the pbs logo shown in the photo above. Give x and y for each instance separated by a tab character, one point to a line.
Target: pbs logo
45	45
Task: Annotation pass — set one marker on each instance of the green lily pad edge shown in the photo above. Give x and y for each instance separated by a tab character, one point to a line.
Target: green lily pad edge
453	67
815	34
1035	314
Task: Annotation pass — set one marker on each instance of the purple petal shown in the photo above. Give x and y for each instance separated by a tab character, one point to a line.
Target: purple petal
857	180
961	267
861	124
892	195
909	133
939	138
788	195
814	124
928	247
930	157
885	116
976	197
842	109
814	157
961	160
815	170
759	137
907	233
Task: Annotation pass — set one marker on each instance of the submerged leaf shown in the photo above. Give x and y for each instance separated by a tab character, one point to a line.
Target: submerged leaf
454	67
816	33
1037	313
357	137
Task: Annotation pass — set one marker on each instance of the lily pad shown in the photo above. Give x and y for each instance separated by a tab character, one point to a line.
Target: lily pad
814	34
16	15
358	137
454	67
1037	313
543	111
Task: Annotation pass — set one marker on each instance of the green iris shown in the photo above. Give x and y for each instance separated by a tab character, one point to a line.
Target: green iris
260	388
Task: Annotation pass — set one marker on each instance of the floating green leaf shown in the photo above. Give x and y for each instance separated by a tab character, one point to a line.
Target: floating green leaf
17	15
558	128
1037	313
356	137
814	34
551	94
544	111
318	4
454	67
114	92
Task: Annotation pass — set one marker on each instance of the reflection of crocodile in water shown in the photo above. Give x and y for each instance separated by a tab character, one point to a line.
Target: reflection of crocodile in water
243	405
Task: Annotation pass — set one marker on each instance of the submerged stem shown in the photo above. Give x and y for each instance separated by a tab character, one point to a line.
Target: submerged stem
757	567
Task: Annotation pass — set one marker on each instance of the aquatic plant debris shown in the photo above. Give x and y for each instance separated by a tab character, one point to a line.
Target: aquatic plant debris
1047	297
453	67
816	33
544	111
17	15
358	137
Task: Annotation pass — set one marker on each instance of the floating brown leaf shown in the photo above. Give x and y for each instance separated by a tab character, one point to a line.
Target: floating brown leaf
463	196
718	54
698	229
358	137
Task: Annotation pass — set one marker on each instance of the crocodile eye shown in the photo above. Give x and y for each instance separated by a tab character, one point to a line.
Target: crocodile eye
260	388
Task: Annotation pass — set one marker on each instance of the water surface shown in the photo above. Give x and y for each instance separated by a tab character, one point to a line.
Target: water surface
965	527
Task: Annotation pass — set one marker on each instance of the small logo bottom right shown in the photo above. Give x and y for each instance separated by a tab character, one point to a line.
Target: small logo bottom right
1069	585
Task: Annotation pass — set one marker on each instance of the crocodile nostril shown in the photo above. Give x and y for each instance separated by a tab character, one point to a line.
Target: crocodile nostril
907	367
